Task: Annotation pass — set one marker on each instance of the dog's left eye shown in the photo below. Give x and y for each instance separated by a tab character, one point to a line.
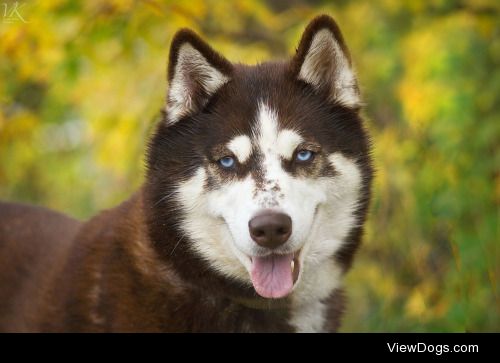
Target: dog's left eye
304	155
227	162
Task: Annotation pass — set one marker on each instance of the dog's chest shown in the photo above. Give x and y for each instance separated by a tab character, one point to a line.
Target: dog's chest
309	318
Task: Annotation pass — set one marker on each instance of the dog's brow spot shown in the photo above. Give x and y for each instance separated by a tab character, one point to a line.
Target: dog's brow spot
287	142
241	147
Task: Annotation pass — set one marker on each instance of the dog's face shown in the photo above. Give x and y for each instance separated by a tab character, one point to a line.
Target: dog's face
265	167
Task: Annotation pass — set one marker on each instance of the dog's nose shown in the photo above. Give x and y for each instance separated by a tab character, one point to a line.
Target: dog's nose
270	229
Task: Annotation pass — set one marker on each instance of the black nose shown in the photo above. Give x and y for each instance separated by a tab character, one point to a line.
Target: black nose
270	229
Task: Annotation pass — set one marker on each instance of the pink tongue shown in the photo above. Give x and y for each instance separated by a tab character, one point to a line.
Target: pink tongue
272	275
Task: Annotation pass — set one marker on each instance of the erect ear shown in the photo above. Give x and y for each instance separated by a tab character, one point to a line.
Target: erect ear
195	73
323	61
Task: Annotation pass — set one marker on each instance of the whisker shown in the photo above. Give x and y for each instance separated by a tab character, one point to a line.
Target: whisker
165	197
179	241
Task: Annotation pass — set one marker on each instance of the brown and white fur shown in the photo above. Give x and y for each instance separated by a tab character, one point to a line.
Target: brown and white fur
177	256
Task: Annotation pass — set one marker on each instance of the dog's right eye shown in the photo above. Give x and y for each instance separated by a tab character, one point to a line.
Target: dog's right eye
227	162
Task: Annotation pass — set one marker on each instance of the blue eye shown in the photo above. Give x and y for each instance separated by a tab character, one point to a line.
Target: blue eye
227	162
304	155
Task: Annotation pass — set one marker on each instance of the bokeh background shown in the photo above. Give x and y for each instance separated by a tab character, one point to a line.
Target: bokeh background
82	83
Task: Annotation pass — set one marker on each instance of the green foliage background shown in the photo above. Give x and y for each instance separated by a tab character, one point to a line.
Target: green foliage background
81	84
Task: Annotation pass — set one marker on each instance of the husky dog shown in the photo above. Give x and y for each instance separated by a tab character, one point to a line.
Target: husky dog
257	187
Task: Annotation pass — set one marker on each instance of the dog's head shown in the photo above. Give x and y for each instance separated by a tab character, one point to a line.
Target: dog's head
263	171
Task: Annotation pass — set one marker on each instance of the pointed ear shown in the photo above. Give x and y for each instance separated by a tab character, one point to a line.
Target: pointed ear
195	73
323	61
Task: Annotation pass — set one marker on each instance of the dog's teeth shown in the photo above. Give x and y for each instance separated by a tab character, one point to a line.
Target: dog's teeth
292	265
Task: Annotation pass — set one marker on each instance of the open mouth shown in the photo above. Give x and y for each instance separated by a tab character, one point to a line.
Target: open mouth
274	276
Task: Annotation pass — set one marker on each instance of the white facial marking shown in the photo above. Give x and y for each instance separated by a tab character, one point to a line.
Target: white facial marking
267	119
241	147
211	239
288	140
349	174
191	67
326	65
